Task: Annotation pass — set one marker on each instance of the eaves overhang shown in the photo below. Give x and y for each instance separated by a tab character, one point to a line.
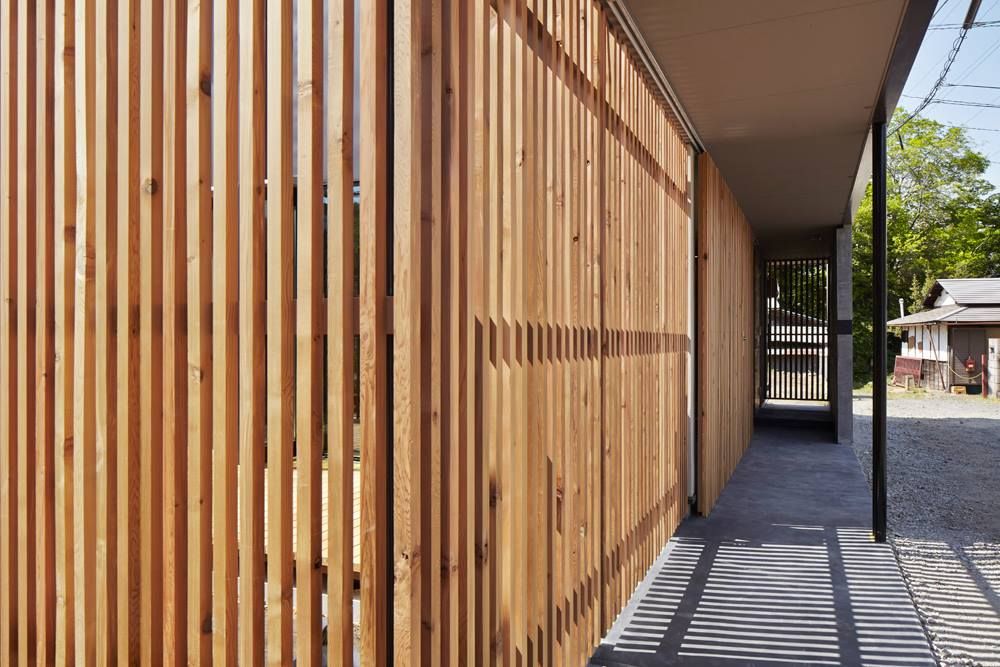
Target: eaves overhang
781	93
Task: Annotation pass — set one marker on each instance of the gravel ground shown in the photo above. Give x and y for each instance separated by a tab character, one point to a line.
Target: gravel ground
944	514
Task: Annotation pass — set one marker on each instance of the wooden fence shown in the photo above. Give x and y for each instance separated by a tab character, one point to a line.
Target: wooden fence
726	384
181	331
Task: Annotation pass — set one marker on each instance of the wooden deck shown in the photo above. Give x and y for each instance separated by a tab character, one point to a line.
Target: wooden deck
326	518
356	518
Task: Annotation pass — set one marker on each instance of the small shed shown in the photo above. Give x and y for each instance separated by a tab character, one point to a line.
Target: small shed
948	343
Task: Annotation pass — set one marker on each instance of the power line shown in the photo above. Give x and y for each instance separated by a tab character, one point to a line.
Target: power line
969	85
952	26
938	10
978	63
955	47
968	103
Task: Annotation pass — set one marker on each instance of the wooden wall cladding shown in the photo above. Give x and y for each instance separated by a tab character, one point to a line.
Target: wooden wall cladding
726	361
191	291
540	216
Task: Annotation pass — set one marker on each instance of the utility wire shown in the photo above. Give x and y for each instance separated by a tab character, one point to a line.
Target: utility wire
969	85
938	10
952	26
968	103
955	47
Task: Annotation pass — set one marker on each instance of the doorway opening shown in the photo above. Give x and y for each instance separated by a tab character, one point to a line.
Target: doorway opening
796	333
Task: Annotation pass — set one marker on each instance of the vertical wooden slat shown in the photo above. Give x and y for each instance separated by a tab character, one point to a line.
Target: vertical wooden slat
412	174
340	336
225	353
27	204
105	265
45	565
151	370
536	368
479	343
8	334
198	193
252	403
602	220
535	314
457	533
127	438
548	346
519	488
175	365
557	256
373	33
84	371
280	331
309	344
433	334
725	331
493	640
505	325
519	372
570	269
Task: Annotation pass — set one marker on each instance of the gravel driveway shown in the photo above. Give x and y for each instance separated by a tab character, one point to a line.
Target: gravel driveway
944	514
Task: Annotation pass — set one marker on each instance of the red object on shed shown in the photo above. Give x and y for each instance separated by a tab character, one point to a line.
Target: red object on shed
906	366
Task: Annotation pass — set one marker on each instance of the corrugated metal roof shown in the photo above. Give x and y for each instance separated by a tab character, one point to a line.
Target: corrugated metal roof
951	315
976	315
973	291
925	316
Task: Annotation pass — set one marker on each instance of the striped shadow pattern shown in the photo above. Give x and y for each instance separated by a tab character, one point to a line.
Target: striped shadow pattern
823	596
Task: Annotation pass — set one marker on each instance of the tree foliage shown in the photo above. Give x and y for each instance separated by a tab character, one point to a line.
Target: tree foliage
942	218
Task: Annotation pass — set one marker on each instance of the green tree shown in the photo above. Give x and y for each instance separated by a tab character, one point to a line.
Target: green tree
942	218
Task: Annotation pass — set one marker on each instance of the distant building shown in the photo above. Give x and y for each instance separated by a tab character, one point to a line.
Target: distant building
946	344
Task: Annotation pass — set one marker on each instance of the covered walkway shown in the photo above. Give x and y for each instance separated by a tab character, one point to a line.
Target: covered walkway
784	570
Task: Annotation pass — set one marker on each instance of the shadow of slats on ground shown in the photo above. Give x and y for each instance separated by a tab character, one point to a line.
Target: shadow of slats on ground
783	572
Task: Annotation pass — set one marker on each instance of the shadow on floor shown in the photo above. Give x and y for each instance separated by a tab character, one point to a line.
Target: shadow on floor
944	486
783	571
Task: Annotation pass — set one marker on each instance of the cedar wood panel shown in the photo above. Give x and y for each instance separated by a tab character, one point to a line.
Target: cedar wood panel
174	332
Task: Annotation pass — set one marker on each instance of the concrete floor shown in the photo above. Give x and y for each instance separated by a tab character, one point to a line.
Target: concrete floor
782	572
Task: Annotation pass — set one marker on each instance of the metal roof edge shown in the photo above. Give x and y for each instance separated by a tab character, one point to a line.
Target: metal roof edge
628	26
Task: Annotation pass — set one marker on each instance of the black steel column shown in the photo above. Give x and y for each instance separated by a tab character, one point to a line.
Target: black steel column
878	330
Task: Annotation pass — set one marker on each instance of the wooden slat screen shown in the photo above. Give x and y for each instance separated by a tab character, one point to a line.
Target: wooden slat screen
726	383
541	220
247	269
177	331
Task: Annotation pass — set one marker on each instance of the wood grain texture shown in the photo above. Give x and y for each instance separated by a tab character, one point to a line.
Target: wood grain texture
151	366
373	34
106	379
127	455
198	376
725	342
44	574
26	295
252	401
65	256
225	353
175	363
341	267
412	222
309	385
280	331
476	309
8	333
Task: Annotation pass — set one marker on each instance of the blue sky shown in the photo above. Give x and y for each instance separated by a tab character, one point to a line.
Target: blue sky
977	64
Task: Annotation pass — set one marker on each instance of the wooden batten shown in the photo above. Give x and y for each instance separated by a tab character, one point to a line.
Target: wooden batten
282	321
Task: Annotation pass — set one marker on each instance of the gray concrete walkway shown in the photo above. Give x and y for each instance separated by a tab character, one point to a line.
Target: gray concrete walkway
783	572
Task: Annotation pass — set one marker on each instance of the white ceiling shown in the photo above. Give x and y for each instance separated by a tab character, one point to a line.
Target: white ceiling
781	93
